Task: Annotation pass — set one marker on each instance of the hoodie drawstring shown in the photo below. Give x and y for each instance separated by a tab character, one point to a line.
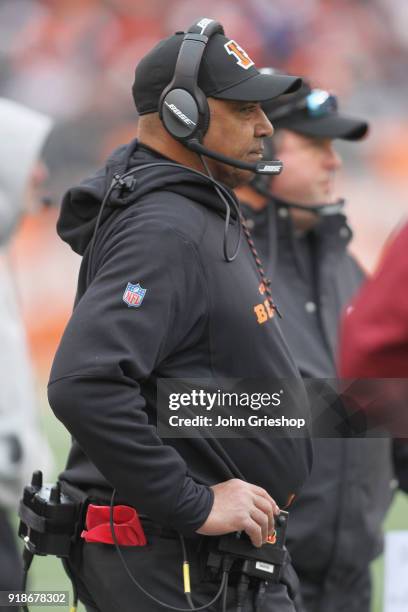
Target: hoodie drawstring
242	227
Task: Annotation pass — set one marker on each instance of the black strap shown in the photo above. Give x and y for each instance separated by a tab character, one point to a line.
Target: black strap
32	520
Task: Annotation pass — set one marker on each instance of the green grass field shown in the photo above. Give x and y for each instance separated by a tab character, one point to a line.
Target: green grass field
47	573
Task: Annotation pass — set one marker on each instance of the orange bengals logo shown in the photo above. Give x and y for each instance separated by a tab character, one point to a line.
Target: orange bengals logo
264	310
242	57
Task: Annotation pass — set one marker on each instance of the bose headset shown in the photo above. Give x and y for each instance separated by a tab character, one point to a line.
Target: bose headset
183	106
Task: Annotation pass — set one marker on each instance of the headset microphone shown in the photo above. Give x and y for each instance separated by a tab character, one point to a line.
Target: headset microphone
322	210
261	167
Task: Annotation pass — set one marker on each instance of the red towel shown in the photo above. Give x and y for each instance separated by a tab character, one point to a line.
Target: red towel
127	525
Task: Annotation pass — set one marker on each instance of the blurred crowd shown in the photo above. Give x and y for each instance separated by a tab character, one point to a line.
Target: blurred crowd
75	59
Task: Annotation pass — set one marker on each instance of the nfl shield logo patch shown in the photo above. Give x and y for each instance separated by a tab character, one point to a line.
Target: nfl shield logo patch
134	295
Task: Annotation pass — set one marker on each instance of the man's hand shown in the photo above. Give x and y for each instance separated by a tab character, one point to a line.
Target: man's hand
241	506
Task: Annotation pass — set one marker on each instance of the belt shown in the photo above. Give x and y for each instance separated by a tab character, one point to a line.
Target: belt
203	545
97	498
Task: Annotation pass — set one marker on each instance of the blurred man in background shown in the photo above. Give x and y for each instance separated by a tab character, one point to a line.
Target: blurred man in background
375	330
22	173
374	342
299	228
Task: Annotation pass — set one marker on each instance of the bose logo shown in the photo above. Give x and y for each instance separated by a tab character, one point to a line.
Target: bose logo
266	567
176	111
270	169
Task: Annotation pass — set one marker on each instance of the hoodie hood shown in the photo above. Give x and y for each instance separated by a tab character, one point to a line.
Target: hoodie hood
81	205
22	136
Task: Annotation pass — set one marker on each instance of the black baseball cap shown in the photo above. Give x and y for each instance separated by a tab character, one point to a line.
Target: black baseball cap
313	112
226	72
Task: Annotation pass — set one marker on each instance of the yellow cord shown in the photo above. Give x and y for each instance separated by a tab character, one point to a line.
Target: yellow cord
73	609
186	577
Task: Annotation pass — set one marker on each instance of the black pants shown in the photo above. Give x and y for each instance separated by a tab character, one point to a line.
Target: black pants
11	571
104	586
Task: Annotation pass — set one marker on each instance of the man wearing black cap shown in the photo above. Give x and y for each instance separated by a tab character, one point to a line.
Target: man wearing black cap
162	294
303	237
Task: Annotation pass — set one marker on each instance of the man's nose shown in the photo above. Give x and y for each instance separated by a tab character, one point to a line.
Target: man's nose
263	127
333	159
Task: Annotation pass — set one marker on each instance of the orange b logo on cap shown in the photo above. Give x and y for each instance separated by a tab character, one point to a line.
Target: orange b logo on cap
240	55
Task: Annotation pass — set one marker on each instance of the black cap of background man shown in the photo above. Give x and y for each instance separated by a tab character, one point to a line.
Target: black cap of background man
226	72
313	112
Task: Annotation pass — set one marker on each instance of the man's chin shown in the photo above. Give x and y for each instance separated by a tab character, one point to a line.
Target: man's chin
240	177
233	177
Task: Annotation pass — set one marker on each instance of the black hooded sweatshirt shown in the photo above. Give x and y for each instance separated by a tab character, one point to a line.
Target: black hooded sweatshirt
197	320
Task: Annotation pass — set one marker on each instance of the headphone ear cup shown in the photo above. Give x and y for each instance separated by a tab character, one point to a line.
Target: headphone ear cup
179	113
